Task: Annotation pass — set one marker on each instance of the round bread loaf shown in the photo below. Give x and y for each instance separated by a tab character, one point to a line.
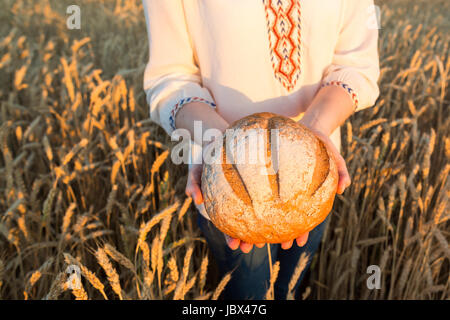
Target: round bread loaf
271	180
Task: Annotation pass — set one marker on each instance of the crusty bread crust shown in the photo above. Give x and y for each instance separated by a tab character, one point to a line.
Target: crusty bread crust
256	204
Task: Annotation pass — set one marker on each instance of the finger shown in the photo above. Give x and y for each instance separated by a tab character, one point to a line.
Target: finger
260	245
344	180
246	247
193	190
287	245
301	241
342	186
344	176
231	242
196	173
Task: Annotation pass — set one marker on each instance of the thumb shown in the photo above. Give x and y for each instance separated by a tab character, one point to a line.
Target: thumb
193	190
344	176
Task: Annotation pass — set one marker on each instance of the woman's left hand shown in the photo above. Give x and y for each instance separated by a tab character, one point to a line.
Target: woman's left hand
344	176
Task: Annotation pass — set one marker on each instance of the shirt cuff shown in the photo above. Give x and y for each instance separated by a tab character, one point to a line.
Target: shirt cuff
347	88
181	103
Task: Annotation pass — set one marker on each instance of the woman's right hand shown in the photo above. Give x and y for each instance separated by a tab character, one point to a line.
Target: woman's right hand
193	184
185	118
193	189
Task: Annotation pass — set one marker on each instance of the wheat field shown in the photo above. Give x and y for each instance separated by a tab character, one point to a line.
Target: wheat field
86	181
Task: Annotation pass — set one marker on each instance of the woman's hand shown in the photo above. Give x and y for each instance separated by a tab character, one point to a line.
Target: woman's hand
193	189
344	176
330	108
193	184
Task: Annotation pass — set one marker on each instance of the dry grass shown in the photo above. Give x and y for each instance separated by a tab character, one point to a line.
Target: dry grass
85	179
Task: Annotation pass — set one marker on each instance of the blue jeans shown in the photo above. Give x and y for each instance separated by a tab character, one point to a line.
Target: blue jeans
250	278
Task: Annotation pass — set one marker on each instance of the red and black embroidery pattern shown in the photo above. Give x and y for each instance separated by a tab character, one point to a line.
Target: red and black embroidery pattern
284	30
347	88
181	103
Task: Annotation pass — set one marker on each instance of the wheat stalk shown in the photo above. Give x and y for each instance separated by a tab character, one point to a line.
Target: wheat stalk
221	286
173	276
110	271
270	294
79	293
301	265
145	229
184	208
89	275
120	258
180	288
57	287
203	271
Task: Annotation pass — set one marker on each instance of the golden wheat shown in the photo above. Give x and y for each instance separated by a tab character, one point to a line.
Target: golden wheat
85	173
111	273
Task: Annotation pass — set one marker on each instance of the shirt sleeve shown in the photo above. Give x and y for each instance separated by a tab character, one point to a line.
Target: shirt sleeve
355	66
171	77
